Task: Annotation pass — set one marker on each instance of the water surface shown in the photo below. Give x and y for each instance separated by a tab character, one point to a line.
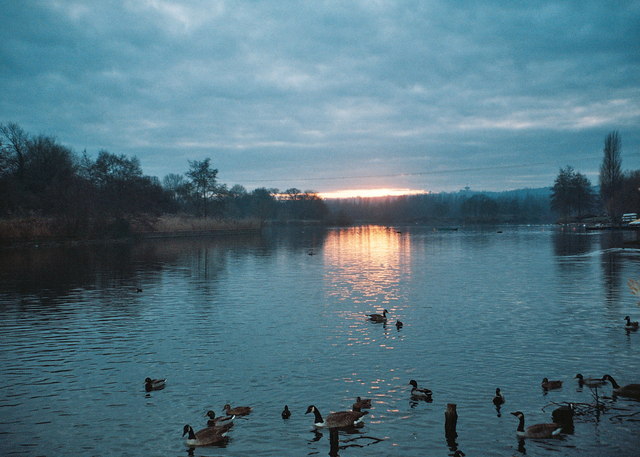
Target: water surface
279	319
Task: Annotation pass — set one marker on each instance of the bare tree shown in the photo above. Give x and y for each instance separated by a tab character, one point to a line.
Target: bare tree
14	143
611	174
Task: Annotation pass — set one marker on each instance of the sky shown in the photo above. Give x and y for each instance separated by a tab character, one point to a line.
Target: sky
331	95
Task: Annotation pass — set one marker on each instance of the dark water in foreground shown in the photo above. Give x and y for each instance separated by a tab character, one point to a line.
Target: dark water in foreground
258	321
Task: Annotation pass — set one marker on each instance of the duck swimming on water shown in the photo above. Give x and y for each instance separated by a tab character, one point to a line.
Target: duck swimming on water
416	393
631	325
218	421
154	384
379	317
538	430
549	385
589	382
339	419
237	411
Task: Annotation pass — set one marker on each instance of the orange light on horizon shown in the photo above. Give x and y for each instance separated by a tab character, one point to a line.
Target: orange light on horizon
370	193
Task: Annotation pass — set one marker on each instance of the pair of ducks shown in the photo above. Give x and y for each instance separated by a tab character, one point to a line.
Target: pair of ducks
383	318
217	427
630	390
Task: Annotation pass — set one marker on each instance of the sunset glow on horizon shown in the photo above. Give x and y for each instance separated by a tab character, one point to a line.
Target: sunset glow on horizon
370	193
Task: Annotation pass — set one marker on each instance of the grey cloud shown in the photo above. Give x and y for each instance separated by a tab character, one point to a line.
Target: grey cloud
292	91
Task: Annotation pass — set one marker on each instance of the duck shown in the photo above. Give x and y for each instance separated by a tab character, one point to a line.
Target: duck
399	324
206	436
339	419
361	403
589	382
379	317
286	414
237	411
538	430
548	385
630	390
154	384
631	325
419	393
498	399
218	421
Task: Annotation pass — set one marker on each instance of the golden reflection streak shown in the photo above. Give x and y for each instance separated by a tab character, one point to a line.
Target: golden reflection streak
365	266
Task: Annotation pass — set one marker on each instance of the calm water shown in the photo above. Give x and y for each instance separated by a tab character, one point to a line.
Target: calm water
258	321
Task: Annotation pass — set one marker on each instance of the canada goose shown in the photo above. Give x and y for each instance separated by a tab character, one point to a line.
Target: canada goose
498	399
548	385
379	317
286	414
237	411
361	403
630	390
218	421
154	384
631	325
399	324
419	393
563	416
206	436
537	430
339	419
589	382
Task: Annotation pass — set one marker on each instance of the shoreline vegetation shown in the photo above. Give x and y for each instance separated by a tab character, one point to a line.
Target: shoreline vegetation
39	230
49	193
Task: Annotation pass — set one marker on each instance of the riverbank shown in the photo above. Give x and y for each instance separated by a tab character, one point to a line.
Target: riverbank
42	230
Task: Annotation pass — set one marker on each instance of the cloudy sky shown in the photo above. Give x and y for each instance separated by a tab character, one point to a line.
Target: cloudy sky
327	95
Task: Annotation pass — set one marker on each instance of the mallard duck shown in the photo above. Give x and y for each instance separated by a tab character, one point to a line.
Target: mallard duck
154	384
631	325
361	403
589	382
498	399
206	436
286	414
548	385
419	393
218	421
537	430
237	411
379	317
339	419
630	390
399	324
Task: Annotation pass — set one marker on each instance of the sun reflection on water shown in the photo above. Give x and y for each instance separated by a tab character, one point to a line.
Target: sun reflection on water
365	268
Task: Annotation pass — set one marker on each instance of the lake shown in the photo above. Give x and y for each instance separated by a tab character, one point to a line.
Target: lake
279	318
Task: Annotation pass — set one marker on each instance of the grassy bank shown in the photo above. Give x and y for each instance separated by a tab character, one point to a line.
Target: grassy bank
44	229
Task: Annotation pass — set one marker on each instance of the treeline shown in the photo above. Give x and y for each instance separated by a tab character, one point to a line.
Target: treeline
40	178
574	198
465	207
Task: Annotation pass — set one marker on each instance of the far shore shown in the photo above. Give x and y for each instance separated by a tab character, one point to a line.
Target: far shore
52	231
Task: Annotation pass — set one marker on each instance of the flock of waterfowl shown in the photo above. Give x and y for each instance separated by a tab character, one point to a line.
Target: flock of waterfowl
547	430
218	426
